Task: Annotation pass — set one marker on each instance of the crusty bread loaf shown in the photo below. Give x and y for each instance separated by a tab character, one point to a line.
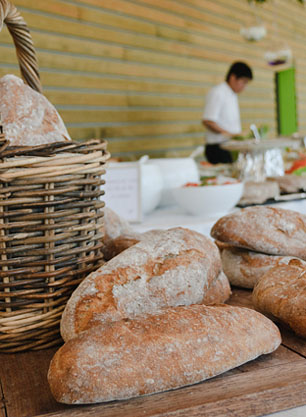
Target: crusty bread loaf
265	229
218	291
173	348
168	268
118	234
258	192
28	117
281	293
290	183
244	268
112	247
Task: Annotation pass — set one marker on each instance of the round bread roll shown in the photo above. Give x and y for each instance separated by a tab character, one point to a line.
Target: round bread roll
281	294
218	291
291	183
118	234
244	268
258	192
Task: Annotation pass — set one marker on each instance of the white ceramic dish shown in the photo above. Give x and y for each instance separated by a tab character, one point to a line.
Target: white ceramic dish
209	200
175	172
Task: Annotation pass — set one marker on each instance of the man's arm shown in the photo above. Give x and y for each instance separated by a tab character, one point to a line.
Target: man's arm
214	127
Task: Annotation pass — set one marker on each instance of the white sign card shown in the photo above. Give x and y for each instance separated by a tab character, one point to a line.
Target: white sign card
123	190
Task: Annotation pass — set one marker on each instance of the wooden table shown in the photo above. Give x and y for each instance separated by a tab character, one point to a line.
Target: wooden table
268	384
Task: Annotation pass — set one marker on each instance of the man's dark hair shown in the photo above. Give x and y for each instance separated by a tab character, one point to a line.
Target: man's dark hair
239	69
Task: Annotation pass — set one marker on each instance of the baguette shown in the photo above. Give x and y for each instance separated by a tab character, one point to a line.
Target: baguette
281	294
269	230
167	268
175	347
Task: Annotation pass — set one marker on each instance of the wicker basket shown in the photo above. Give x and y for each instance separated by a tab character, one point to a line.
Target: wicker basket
50	221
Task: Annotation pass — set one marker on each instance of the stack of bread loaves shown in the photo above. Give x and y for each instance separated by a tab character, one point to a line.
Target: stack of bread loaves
166	268
265	248
139	324
254	239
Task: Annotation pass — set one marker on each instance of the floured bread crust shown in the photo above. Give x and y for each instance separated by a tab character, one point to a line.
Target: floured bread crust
281	293
265	229
175	347
291	183
118	234
259	192
28	118
244	268
218	291
168	268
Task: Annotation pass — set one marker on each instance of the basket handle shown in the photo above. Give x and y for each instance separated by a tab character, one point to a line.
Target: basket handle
23	42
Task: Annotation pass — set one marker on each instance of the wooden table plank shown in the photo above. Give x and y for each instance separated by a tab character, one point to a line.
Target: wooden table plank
293	342
2	405
268	384
248	394
24	383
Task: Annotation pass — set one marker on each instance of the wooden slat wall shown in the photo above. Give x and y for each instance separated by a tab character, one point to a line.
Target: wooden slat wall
136	72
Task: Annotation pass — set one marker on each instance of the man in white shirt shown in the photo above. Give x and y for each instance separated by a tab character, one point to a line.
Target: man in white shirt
221	115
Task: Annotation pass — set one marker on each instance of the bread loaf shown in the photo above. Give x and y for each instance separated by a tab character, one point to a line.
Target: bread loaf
281	294
168	268
118	234
265	229
28	117
290	183
173	348
258	192
244	268
218	291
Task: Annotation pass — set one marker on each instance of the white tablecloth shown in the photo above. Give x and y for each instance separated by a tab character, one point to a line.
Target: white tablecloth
164	218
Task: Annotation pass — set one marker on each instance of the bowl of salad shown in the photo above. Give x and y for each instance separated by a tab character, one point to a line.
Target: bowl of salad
210	197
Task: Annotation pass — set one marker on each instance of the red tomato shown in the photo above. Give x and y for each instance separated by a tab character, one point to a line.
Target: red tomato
296	165
191	184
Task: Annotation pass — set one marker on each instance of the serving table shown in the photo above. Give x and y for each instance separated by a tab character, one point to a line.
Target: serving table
266	385
174	216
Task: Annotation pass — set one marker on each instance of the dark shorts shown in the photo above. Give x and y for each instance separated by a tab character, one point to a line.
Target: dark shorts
216	155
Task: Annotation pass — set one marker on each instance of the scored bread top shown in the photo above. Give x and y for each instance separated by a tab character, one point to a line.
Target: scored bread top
266	229
167	268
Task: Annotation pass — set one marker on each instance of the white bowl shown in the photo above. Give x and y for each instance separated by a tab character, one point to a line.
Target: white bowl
208	200
175	172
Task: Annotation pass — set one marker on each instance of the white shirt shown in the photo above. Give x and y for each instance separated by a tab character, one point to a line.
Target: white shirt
222	107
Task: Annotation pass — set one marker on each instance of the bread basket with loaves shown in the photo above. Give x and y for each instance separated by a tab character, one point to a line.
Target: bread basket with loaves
50	218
